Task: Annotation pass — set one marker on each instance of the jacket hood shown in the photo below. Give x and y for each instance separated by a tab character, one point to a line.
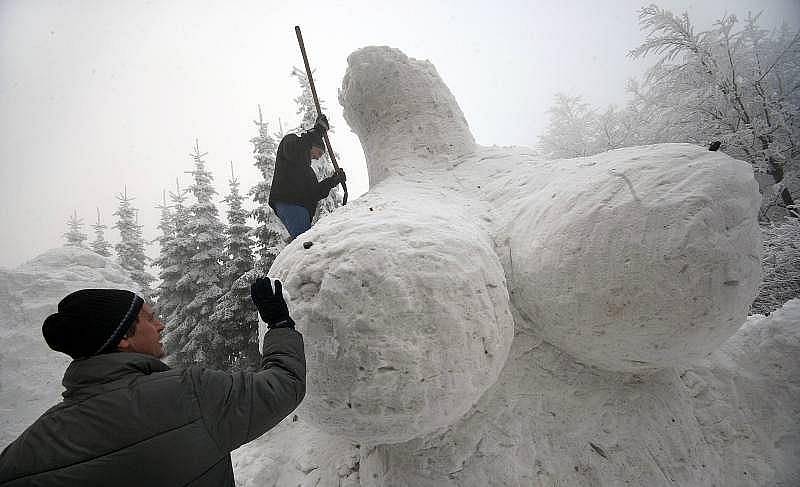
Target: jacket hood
107	368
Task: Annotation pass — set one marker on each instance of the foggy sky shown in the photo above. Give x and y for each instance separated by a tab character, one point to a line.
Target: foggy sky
95	95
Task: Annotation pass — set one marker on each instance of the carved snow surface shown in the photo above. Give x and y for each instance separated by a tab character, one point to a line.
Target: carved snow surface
402	111
730	420
634	259
404	312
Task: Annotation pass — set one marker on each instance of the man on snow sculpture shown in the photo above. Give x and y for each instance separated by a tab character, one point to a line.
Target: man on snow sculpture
128	419
295	188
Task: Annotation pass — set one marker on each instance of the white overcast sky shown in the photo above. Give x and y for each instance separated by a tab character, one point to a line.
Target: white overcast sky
95	95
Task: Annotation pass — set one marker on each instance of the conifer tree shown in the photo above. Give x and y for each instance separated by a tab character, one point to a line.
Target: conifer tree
234	314
75	236
322	166
166	261
202	279
269	233
176	290
100	245
130	249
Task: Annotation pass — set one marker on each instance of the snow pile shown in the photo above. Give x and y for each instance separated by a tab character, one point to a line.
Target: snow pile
30	373
747	400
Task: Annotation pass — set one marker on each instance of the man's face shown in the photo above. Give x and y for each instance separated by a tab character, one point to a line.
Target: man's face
316	152
147	339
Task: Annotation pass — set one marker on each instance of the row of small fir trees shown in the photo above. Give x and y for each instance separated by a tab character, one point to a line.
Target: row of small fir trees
205	266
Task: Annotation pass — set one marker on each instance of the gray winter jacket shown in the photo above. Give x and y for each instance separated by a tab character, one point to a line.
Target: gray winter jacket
129	420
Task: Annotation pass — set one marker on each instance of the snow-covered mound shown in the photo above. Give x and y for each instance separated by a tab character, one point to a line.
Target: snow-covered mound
30	373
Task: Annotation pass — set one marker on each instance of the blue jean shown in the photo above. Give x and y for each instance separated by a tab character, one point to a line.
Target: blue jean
294	217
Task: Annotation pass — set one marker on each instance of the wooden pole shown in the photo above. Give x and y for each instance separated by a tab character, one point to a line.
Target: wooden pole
316	104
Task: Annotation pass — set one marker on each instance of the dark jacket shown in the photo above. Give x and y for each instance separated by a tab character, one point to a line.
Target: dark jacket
129	420
294	180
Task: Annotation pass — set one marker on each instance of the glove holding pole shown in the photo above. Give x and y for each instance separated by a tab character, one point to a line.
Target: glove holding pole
320	116
322	124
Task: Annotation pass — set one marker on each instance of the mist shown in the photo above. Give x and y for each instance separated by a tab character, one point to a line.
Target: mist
100	96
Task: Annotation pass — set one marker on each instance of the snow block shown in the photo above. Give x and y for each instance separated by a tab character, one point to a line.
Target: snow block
405	313
638	258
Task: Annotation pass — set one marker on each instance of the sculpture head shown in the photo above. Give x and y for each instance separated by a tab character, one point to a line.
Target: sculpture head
402	111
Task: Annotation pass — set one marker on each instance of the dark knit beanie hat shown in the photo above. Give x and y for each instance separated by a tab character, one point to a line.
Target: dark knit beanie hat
91	321
316	141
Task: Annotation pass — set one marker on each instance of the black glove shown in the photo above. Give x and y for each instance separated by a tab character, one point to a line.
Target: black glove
335	179
271	306
322	123
330	183
340	176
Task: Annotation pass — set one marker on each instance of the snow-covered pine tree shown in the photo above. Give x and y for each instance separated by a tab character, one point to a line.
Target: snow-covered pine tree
75	236
235	316
202	279
322	166
176	289
269	233
166	260
100	245
130	249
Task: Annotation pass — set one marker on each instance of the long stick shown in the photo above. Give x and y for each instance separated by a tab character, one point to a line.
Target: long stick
316	103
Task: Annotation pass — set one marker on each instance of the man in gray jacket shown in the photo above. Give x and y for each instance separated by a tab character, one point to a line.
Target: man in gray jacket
128	419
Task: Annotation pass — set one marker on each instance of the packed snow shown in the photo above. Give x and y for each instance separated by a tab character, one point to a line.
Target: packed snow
485	317
30	373
634	259
402	112
404	312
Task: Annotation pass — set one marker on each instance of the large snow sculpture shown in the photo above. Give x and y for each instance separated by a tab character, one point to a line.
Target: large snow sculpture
631	260
635	260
